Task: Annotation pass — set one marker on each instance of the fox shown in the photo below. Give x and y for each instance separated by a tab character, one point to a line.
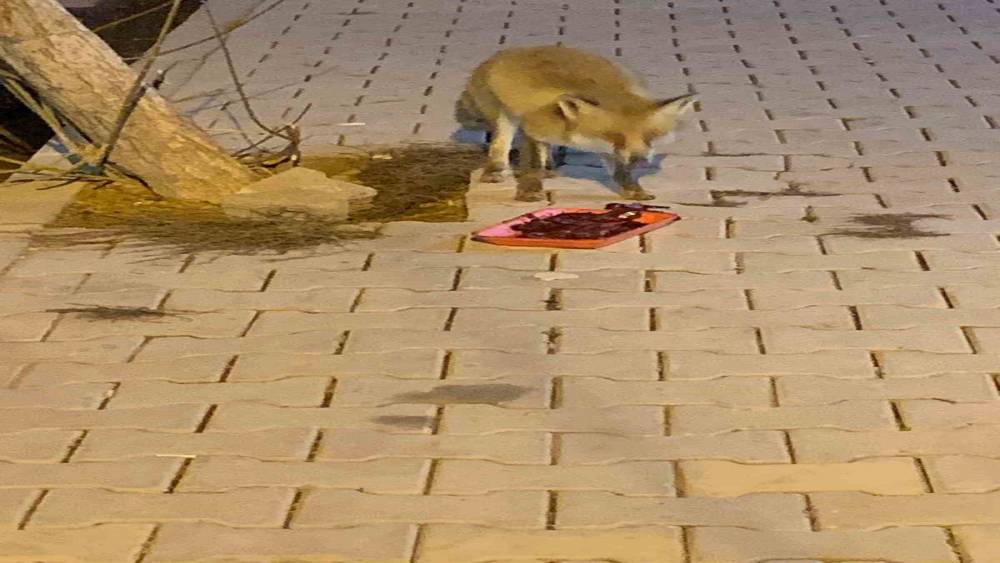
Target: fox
562	96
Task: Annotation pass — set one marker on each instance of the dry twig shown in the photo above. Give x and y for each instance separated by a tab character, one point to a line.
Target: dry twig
291	152
233	26
138	89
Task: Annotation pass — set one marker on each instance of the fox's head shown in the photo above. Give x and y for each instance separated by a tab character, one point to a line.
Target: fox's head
624	132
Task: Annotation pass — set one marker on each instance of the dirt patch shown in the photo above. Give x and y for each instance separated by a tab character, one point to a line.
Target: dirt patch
120	213
414	183
102	313
489	394
423	182
888	225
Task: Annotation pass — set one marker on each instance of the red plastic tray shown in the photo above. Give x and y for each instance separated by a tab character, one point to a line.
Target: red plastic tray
504	235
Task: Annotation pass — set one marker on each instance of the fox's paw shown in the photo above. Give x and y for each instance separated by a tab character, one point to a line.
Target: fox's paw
530	195
530	188
637	194
495	175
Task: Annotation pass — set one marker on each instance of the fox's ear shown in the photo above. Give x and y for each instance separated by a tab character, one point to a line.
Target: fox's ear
676	105
572	107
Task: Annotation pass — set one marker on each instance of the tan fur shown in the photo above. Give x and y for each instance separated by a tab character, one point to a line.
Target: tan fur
563	96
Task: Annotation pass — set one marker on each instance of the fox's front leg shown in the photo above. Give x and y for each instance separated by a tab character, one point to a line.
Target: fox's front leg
623	176
534	162
498	166
538	159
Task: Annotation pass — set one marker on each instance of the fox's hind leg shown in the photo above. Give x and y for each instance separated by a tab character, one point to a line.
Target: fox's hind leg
538	157
498	166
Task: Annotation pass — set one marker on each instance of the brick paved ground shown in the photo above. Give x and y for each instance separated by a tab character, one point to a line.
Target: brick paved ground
803	369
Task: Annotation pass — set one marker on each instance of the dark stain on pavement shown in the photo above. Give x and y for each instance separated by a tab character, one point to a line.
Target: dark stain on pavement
889	225
404	421
487	393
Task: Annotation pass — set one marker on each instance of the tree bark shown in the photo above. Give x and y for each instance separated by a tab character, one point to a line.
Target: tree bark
84	80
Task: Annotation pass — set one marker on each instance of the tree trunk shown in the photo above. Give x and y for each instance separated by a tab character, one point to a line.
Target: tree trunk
84	80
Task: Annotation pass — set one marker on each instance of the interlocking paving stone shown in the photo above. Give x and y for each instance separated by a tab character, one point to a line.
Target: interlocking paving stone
313	342
892	476
809	390
383	476
920	364
807	317
717	299
506	509
846	415
322	299
388	543
25	327
204	325
404	364
726	340
964	473
396	261
733	391
841	364
604	280
642	544
343	444
790	299
107	543
524	391
14	504
139	474
932	338
180	370
256	416
610	319
290	322
578	509
487	364
751	446
180	418
515	339
867	511
71	396
684	281
381	299
295	392
230	280
858	194
981	543
932	414
11	303
104	350
426	279
244	508
274	444
827	445
487	419
734	545
627	478
761	262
